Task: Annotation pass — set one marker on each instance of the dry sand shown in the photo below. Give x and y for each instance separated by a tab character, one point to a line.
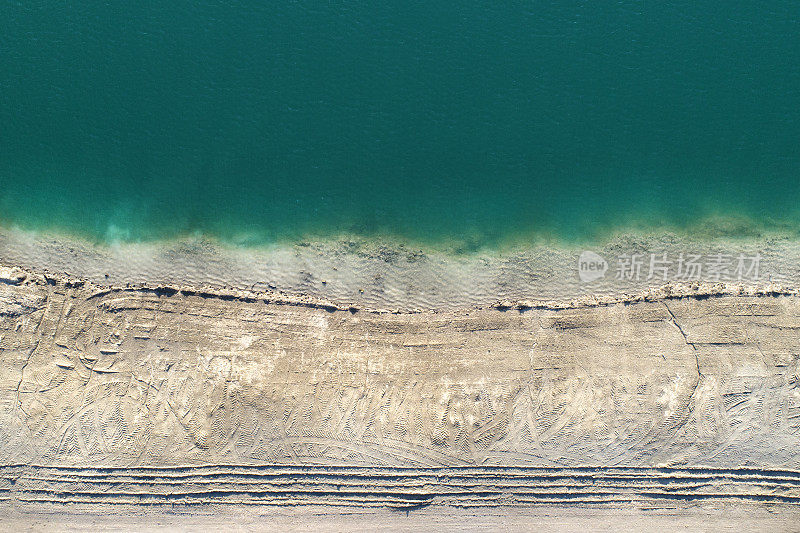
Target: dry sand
450	393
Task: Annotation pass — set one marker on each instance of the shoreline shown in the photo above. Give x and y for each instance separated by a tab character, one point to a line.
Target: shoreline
390	276
709	227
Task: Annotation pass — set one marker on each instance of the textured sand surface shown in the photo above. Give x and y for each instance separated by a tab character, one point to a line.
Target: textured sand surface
372	274
151	397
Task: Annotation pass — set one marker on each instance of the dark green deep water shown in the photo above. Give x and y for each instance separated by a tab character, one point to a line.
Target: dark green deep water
478	121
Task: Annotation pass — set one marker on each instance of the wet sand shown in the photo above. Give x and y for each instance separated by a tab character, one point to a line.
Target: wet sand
384	275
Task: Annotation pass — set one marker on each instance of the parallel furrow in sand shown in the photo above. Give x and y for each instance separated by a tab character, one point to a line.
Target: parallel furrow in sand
392	487
405	480
398	491
187	473
359	500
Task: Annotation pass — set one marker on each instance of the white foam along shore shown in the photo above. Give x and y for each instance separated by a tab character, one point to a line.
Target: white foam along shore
388	275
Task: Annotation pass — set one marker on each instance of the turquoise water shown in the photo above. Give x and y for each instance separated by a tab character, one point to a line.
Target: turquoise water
474	121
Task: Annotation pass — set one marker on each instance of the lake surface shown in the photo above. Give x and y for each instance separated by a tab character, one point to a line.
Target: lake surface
482	122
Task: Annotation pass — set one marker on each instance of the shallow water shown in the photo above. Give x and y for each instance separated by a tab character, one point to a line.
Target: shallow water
256	122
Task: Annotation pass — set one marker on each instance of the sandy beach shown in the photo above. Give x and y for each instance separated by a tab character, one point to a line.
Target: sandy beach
358	266
332	378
